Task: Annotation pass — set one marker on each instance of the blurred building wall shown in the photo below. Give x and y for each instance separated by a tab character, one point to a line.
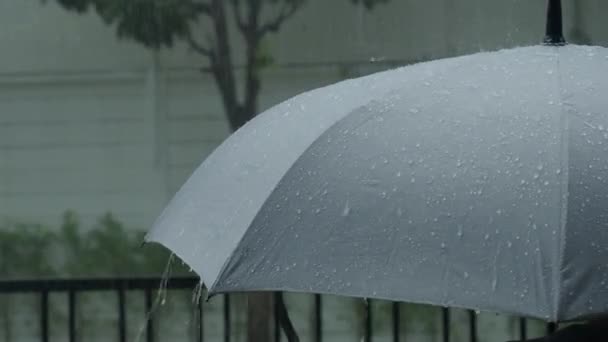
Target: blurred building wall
95	124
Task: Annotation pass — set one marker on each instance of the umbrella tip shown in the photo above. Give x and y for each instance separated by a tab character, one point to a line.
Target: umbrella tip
554	31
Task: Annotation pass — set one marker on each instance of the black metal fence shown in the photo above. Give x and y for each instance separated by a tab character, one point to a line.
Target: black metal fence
148	285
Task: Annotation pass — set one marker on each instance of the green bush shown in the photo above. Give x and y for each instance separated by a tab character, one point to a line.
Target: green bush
107	249
25	250
71	250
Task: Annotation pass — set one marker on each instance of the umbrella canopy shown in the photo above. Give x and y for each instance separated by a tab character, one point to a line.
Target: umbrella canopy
478	182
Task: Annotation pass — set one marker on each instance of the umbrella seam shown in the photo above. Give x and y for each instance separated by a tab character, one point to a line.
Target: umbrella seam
564	127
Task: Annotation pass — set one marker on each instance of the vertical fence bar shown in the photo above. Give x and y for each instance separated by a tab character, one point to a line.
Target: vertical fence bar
396	321
318	318
446	324
368	321
472	326
226	318
201	321
72	315
523	329
277	321
149	315
122	324
551	328
44	316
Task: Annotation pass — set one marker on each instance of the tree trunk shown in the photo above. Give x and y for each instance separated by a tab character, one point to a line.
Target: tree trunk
259	305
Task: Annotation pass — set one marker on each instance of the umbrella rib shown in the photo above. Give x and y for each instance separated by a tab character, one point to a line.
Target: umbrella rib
559	254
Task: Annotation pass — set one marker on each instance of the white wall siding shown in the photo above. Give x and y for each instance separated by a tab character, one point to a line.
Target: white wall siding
81	144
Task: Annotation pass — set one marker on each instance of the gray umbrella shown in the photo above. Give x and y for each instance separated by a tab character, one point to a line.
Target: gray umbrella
477	182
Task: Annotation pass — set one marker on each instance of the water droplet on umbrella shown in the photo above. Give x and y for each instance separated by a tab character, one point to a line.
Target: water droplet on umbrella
346	210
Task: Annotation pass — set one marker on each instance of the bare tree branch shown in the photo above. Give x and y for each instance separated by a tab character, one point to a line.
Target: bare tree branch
238	17
274	25
199	47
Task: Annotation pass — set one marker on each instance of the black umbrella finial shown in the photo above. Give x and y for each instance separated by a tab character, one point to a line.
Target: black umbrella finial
554	33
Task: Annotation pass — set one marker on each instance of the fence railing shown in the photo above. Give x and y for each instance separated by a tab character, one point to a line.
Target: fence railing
147	286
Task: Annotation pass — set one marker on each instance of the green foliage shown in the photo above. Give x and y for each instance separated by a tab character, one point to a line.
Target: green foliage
264	57
161	23
25	250
106	249
153	23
